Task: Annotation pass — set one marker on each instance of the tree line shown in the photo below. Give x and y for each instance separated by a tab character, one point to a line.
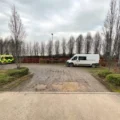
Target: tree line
106	43
88	44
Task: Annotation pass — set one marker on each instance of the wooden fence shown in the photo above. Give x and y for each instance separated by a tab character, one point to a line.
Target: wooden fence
45	59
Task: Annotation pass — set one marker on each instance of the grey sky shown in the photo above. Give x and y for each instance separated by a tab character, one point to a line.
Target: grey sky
62	17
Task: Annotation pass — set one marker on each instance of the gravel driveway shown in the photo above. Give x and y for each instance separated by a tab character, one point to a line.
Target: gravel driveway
59	78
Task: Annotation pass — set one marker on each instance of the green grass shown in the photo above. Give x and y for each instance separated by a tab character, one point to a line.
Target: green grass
4	78
7	76
95	71
113	87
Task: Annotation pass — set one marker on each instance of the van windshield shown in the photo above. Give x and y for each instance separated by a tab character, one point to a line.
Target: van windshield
75	58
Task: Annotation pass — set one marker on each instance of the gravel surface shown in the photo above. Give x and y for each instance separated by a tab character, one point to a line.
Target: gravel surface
59	78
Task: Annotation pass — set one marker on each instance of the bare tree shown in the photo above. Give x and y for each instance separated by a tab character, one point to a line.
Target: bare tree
50	48
57	47
30	49
6	46
103	48
106	45
36	48
97	43
109	30
42	49
71	45
23	49
109	26
116	49
17	33
116	45
88	43
1	46
27	49
11	46
63	47
79	41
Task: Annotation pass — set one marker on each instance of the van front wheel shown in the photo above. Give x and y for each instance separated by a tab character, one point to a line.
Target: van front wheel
71	65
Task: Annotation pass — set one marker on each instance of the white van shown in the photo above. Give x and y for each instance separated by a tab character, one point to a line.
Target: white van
84	60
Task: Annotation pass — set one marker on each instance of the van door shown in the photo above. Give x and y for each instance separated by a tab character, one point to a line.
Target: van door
82	60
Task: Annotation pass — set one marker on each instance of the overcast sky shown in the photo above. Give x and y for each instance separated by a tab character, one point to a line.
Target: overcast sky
61	17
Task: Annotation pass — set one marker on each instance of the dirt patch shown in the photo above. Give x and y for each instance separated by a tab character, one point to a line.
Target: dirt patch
66	87
70	86
40	87
56	87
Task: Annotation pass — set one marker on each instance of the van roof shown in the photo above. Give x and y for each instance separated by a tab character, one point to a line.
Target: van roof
86	54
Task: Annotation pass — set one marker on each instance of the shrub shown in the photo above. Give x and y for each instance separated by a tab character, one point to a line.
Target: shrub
114	78
18	72
104	73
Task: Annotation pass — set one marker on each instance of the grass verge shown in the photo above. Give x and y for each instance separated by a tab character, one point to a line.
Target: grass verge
112	87
11	75
11	85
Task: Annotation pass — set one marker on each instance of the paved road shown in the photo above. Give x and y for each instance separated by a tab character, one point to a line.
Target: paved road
60	78
37	106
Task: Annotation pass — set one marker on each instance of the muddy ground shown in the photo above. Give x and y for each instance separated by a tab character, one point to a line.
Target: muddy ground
59	78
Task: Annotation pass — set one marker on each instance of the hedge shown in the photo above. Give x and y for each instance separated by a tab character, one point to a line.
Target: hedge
104	73
114	78
18	72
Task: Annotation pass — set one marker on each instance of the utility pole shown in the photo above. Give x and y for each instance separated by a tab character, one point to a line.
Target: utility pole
52	36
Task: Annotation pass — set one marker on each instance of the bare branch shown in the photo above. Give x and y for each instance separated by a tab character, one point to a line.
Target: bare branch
17	33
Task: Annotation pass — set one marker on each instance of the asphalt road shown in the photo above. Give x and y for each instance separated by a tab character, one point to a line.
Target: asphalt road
59	78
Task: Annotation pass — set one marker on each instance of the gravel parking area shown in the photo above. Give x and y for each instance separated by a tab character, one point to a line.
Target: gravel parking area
59	78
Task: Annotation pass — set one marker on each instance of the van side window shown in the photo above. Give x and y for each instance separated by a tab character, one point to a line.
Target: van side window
82	58
75	58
